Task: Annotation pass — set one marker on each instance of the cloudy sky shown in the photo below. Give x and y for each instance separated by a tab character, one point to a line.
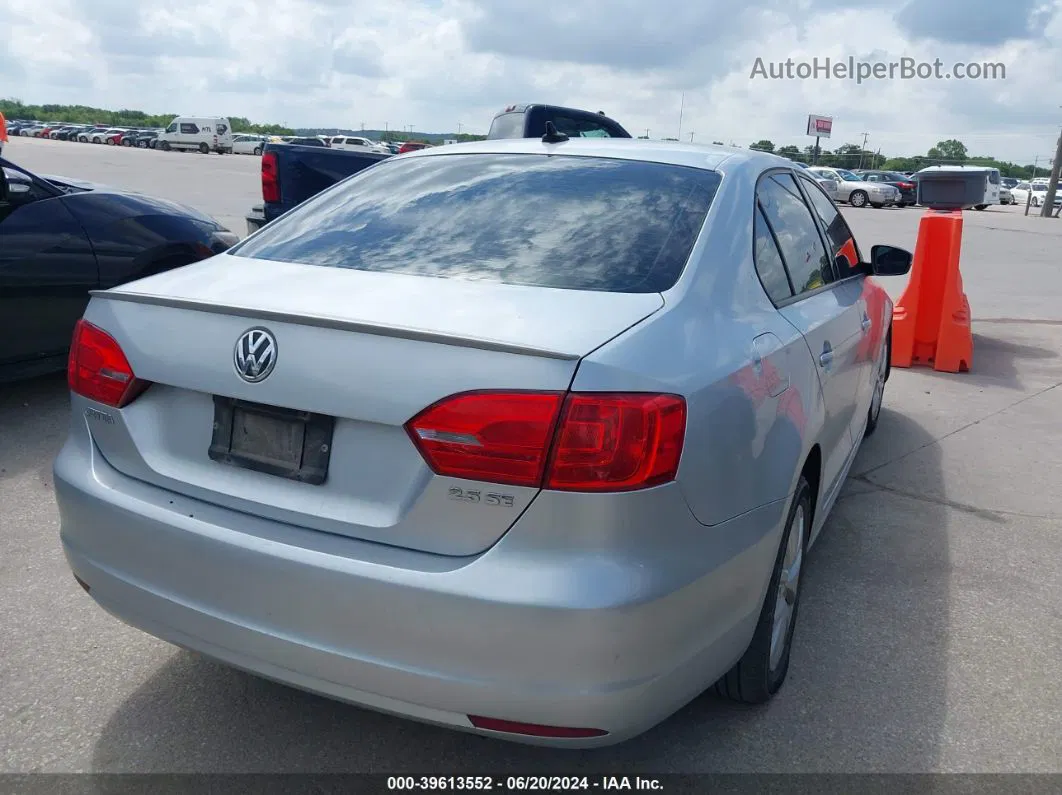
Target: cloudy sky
437	64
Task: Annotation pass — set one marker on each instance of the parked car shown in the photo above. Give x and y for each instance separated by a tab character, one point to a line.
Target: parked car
412	537
309	140
1005	196
904	184
61	238
104	136
248	144
1020	193
31	131
1009	182
412	146
352	143
828	184
146	139
86	135
1039	187
856	192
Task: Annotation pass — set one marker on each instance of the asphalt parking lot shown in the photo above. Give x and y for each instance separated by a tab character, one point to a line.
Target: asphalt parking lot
930	627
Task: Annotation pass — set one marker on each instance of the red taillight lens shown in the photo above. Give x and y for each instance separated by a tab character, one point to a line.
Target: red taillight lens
501	437
619	442
97	368
270	182
906	185
585	442
532	729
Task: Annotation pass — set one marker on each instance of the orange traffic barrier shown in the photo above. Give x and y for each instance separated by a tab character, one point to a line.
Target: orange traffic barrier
931	321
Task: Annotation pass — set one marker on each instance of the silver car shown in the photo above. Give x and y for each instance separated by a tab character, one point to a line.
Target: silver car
851	188
518	437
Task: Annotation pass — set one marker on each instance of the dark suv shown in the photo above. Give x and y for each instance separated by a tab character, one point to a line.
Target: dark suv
529	121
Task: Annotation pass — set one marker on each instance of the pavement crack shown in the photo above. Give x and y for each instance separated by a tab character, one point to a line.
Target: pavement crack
998	517
863	475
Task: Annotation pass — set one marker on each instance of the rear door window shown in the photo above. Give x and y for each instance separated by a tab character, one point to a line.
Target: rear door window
834	227
549	221
797	232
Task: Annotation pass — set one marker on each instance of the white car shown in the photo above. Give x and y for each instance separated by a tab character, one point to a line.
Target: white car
856	192
354	143
1005	196
101	136
248	144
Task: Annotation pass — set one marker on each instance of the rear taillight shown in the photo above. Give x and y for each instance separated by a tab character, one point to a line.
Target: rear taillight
500	437
906	185
270	183
582	442
97	368
617	442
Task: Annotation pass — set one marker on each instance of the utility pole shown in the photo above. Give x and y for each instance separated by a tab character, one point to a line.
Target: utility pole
1052	186
363	126
459	126
863	148
646	132
682	107
691	137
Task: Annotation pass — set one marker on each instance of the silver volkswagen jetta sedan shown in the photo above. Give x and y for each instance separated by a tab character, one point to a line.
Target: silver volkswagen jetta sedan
524	438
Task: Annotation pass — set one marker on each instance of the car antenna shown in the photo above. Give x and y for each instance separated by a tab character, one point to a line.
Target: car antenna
552	136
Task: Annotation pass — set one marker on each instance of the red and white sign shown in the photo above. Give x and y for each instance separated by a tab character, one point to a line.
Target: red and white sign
820	126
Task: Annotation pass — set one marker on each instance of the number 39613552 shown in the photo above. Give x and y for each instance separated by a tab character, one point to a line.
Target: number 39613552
478	497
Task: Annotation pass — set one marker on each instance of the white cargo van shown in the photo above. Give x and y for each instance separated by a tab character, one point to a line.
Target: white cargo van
197	133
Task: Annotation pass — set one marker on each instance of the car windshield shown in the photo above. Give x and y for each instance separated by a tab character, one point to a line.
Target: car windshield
558	221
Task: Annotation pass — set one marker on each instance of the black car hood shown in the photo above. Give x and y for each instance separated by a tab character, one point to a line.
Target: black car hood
150	202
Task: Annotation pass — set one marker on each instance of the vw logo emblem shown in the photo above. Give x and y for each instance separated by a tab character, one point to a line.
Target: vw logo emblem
255	355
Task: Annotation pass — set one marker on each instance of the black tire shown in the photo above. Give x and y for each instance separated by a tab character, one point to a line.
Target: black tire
204	149
753	680
126	142
876	206
980	206
876	402
258	150
164	146
858	198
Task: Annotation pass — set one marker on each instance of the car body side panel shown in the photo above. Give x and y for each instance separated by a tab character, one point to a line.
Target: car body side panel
704	346
46	271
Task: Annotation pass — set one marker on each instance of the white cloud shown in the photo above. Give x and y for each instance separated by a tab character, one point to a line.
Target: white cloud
435	64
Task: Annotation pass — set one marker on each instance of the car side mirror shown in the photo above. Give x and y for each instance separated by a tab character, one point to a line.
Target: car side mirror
889	261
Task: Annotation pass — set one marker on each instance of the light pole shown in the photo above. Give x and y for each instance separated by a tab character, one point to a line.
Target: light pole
1052	186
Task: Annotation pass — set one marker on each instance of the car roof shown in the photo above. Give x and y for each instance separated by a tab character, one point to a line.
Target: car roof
709	157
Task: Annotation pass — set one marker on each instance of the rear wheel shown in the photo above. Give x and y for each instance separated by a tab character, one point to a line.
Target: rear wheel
760	672
858	198
164	146
980	206
258	150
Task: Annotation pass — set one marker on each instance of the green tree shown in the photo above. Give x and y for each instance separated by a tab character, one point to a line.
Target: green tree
790	151
951	150
762	146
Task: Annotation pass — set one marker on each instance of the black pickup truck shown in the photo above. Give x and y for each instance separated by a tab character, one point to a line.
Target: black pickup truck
292	173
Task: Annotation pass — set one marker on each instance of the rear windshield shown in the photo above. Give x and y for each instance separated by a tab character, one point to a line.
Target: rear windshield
549	221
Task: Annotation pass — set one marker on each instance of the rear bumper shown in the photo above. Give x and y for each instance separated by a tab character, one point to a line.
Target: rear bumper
573	640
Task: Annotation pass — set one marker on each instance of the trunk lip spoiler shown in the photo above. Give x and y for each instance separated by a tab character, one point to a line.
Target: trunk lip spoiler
324	321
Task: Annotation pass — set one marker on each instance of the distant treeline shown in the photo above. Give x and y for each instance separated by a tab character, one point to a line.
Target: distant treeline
946	153
83	114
